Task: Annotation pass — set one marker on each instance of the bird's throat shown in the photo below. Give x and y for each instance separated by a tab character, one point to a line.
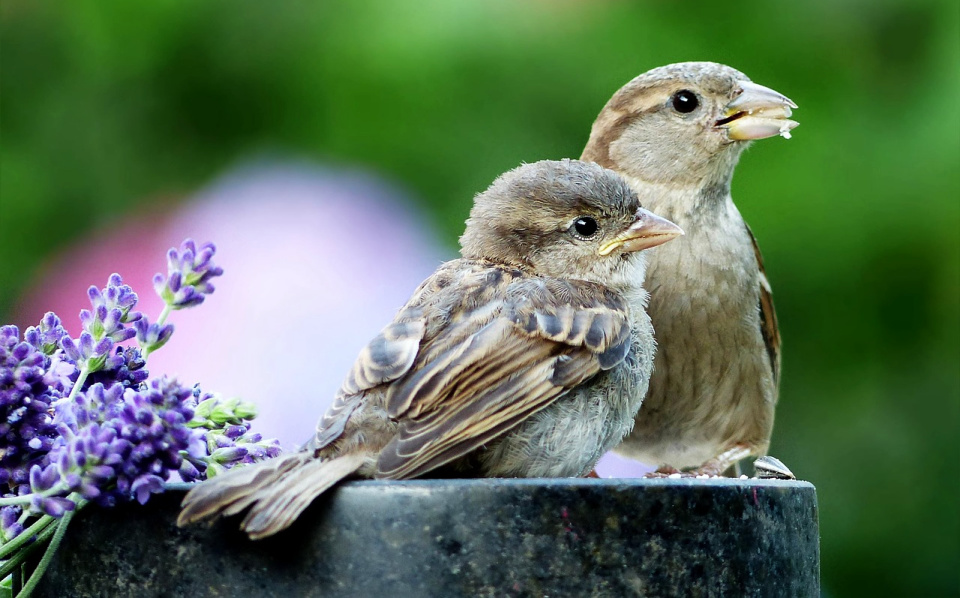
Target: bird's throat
682	204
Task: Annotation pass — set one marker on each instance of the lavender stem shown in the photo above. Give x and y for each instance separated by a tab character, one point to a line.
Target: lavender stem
48	553
25	536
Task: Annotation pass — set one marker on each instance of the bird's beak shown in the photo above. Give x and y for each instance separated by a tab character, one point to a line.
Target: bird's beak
757	112
648	230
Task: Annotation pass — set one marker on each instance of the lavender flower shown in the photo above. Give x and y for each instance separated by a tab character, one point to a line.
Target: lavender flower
189	275
103	326
213	411
128	370
26	427
80	422
228	440
10	526
152	336
46	337
130	438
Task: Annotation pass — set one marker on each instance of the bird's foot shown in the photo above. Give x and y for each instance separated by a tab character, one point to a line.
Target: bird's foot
666	471
726	463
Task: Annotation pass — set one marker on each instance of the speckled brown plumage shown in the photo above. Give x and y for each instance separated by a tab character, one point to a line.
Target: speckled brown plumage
527	357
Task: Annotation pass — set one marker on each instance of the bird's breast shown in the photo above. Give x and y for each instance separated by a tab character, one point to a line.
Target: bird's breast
710	380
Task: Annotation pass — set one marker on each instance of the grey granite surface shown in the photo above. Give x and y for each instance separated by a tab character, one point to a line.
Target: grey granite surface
449	538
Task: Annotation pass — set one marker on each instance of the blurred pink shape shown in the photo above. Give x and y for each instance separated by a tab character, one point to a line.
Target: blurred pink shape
613	465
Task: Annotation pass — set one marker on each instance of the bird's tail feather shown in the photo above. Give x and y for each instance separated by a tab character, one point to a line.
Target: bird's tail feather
278	490
276	507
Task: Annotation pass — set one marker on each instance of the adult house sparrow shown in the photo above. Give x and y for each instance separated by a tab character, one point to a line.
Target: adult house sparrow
529	356
675	133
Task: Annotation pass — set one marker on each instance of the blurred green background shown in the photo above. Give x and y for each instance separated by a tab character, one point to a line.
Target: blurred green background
107	108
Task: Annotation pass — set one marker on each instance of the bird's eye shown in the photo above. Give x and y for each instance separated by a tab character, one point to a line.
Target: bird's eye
585	227
685	101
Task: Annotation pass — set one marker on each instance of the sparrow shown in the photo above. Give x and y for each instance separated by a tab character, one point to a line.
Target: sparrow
675	133
527	357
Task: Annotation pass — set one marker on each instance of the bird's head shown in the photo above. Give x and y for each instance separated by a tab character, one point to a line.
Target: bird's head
566	219
685	124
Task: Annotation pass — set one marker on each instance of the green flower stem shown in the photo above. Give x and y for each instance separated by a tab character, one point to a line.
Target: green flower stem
160	322
81	379
26	498
16	560
61	528
164	315
25	536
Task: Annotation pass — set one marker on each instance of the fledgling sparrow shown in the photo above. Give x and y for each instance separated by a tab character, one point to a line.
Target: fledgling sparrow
675	133
529	356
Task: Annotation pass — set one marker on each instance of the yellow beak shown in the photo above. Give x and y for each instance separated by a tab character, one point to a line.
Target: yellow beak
648	230
757	112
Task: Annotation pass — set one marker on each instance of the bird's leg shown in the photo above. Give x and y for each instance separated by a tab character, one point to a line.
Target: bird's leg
725	462
664	471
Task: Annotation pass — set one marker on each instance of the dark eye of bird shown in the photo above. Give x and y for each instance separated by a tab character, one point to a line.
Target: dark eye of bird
685	101
585	226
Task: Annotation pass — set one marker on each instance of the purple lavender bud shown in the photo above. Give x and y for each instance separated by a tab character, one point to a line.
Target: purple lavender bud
101	313
73	481
122	297
188	275
10	528
256	452
46	337
112	318
175	283
26	427
188	471
42	479
196	447
86	345
159	283
70	348
124	367
152	336
174	419
273	450
229	454
173	260
55	506
234	431
188	249
96	297
100	472
144	485
88	490
103	347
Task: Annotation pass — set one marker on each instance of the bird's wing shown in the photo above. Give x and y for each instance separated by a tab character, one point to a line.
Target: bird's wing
387	357
768	315
504	359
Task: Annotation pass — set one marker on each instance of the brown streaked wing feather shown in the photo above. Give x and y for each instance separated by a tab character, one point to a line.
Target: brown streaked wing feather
768	315
386	358
512	366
